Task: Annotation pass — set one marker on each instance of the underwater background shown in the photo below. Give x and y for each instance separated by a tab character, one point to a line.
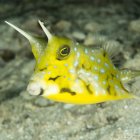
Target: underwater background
25	117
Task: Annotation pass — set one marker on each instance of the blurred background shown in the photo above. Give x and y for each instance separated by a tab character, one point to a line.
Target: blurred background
24	117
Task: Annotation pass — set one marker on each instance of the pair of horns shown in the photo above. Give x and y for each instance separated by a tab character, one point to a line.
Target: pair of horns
29	37
37	44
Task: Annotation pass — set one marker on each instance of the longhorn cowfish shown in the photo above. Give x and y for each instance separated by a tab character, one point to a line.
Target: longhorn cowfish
70	72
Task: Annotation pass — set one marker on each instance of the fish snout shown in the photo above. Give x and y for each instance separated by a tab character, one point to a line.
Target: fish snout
35	89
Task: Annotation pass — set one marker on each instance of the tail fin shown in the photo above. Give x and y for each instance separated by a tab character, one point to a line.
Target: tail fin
127	75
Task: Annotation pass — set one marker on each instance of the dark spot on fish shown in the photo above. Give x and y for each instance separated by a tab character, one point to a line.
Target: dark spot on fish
112	75
108	89
84	67
43	69
54	78
104	53
59	58
122	86
41	91
88	88
67	90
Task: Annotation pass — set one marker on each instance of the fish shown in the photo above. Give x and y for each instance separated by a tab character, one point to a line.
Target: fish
69	72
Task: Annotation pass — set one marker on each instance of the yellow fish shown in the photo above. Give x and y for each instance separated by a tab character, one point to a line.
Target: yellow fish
69	72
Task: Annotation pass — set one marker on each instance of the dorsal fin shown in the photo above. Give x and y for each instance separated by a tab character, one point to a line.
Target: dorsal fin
112	48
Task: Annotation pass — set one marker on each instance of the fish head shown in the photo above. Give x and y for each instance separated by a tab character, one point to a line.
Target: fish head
54	71
56	65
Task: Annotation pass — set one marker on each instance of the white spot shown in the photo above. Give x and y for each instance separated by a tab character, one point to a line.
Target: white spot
72	71
99	60
117	76
76	63
92	50
78	54
95	77
49	72
41	75
114	68
77	86
106	64
77	43
96	85
86	50
104	82
51	89
55	67
102	70
75	49
88	74
96	93
95	68
92	58
116	87
103	92
69	79
66	65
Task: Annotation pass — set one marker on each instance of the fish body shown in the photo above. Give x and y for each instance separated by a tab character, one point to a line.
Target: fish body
70	72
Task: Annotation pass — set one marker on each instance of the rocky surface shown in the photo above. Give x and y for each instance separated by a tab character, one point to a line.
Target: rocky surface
24	117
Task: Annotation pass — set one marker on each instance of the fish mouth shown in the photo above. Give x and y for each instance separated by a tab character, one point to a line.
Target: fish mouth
35	89
42	88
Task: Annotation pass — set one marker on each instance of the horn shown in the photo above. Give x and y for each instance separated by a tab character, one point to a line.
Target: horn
48	34
37	44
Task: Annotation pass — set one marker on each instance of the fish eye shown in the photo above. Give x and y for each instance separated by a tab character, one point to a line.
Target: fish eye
64	51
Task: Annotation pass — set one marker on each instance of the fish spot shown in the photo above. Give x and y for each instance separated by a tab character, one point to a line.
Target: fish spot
86	51
78	54
54	78
66	65
96	85
112	75
116	87
104	53
103	92
122	86
96	93
88	89
75	49
67	90
95	68
92	58
42	69
106	64
41	91
49	72
72	71
98	60
77	43
104	82
55	67
117	76
114	68
102	70
88	74
96	77
76	63
108	89
69	79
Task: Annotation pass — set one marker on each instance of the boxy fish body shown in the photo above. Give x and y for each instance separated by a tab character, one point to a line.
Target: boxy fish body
69	72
